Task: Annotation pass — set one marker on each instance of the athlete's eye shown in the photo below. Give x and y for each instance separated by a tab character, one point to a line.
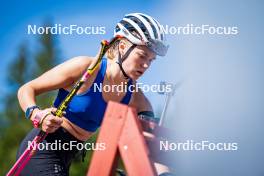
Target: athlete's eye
142	56
154	58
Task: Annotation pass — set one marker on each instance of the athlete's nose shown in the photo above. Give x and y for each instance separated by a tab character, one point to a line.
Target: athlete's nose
145	65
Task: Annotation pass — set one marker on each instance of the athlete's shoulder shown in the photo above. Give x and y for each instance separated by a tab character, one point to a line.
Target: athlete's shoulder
81	61
78	63
73	67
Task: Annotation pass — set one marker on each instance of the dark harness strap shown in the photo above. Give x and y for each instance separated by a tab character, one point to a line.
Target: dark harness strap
121	60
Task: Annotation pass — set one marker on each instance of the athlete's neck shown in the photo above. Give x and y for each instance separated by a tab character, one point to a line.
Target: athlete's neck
114	74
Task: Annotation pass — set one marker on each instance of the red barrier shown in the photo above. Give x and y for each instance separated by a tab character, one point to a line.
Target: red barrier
122	133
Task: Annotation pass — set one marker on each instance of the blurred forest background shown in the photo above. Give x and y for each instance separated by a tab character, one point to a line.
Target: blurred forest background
13	124
221	99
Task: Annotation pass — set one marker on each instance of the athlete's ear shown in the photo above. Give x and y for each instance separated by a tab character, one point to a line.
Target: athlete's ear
121	47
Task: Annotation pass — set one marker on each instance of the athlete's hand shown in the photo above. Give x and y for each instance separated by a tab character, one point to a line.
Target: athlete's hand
50	123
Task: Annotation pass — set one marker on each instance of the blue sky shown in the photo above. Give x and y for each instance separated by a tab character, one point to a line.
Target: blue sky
221	96
82	13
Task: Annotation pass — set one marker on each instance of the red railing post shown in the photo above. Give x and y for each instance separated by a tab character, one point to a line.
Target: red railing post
121	131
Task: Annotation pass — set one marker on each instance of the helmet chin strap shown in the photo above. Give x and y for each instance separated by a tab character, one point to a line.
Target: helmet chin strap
121	60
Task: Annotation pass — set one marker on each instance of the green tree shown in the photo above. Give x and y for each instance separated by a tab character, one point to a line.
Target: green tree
23	68
16	127
45	59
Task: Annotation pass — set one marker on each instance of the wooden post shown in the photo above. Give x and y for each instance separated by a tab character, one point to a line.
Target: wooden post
133	148
103	160
121	131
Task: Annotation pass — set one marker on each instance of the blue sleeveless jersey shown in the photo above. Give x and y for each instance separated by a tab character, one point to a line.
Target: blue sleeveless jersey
86	110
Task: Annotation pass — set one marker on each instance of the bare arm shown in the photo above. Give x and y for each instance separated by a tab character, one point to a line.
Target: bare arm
61	76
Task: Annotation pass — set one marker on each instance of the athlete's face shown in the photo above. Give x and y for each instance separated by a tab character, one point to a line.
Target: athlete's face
138	61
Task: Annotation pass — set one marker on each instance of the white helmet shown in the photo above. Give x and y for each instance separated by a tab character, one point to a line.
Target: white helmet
141	29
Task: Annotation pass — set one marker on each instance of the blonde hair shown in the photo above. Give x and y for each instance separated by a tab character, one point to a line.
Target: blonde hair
113	50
